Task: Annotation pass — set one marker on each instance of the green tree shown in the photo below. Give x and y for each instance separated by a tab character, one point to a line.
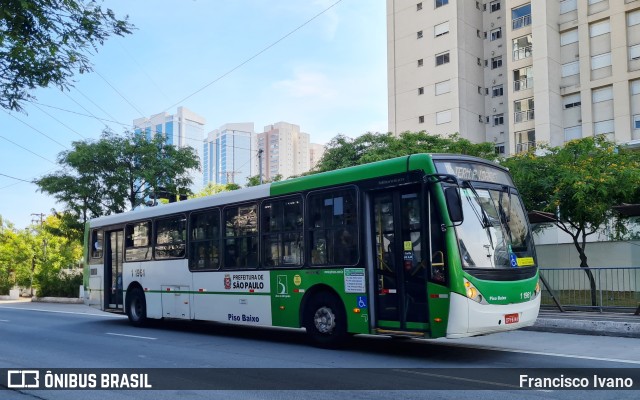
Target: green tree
255	180
45	42
116	173
213	188
342	152
577	185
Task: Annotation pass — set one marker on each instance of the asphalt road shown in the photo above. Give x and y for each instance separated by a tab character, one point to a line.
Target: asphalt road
250	360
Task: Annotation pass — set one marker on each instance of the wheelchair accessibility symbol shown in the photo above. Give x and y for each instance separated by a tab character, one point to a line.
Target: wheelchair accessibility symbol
362	301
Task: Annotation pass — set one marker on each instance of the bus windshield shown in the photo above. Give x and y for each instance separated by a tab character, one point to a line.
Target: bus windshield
495	233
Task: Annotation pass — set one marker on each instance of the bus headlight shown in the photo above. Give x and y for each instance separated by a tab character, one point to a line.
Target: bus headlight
473	293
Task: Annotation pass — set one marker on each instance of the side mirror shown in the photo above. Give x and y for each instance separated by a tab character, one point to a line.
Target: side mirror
454	204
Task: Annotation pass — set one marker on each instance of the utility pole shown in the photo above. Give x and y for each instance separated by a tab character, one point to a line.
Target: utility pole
260	151
39	219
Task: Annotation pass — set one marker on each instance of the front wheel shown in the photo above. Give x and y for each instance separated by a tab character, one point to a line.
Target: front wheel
136	307
326	321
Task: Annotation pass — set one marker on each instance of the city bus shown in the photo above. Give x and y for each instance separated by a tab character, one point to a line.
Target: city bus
421	246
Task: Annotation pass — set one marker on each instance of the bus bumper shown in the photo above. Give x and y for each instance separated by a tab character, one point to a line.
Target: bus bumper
469	318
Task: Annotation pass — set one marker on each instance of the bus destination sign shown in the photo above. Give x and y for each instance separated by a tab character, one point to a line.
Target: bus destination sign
474	172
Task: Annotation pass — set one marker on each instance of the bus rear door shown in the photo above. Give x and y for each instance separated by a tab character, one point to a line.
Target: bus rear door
114	255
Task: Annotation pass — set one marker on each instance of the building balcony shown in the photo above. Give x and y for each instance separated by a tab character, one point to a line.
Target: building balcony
523	116
522	84
521	22
519	54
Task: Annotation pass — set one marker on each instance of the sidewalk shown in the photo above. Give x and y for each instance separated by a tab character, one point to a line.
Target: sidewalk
588	323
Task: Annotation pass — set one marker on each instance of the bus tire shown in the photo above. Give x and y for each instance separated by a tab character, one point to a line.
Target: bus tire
325	320
136	306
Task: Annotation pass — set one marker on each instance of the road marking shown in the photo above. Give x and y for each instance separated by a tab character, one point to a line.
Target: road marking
542	353
131	336
66	312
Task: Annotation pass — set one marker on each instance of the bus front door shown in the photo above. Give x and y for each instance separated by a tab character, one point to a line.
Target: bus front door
401	294
113	270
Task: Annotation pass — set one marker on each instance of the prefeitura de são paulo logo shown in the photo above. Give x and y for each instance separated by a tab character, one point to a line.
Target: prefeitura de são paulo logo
227	281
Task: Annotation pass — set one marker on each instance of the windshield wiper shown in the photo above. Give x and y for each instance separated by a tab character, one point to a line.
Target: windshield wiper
482	216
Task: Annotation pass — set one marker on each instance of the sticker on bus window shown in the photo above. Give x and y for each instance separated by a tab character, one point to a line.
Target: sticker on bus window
525	261
408	246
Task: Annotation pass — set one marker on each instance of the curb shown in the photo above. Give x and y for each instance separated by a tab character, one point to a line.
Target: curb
63	300
587	327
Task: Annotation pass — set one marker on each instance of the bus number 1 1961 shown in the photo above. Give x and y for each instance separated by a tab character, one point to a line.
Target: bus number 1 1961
137	273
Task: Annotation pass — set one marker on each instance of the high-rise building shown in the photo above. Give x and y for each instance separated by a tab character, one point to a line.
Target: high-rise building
229	154
316	151
515	72
182	129
285	150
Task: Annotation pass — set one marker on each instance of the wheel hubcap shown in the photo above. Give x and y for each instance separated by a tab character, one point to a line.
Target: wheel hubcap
324	320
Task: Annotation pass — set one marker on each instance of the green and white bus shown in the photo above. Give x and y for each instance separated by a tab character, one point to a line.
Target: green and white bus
426	245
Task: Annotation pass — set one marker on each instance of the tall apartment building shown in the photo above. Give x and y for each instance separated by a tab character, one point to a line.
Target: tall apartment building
515	72
285	150
229	154
316	151
184	128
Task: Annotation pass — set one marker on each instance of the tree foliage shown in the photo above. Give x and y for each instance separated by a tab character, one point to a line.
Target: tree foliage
45	42
342	152
213	188
255	180
579	184
117	173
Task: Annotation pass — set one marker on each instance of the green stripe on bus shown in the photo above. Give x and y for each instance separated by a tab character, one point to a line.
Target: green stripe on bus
197	292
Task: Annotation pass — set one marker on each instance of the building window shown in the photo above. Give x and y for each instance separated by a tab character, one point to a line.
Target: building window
599	28
522	47
440	3
420	62
633	18
497	91
524	110
634	52
601	61
525	140
569	37
494	6
441	29
419	34
499	148
523	78
421	119
443	117
603	127
498	119
443	87
521	16
568	5
636	121
496	62
442	58
602	94
421	90
573	132
496	34
571	101
634	87
418	6
569	69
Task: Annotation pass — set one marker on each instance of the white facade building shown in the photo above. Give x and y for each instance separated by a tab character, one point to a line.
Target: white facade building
229	154
515	72
286	150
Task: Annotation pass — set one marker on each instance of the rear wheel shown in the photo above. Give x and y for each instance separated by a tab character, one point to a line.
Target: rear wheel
136	307
326	320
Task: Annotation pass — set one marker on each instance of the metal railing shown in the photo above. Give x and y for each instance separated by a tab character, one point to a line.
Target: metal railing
521	84
523	52
616	289
520	22
523	116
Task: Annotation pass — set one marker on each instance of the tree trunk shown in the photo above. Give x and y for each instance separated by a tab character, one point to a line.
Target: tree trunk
583	264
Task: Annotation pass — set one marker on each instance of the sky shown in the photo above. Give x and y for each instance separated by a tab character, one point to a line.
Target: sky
228	61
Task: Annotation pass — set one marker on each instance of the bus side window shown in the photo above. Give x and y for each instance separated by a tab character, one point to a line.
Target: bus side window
96	243
281	230
241	236
333	232
204	240
438	272
137	241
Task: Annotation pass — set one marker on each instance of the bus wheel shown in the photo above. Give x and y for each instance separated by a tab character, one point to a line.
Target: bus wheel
326	321
136	307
